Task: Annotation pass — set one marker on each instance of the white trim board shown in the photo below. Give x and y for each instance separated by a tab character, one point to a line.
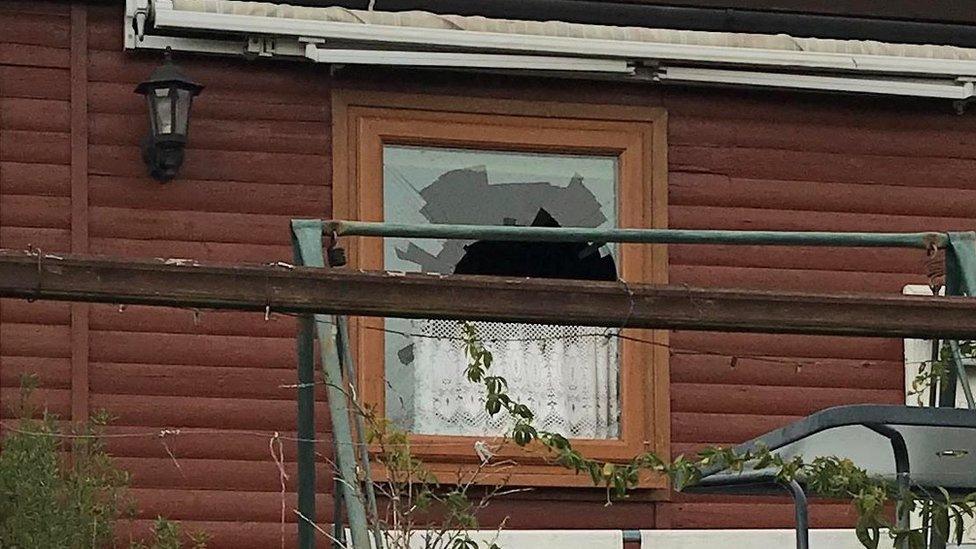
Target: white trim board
671	539
533	539
751	539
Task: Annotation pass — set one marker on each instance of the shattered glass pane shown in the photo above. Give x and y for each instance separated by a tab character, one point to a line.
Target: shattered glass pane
568	375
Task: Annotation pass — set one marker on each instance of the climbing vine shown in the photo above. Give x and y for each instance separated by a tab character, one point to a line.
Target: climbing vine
826	476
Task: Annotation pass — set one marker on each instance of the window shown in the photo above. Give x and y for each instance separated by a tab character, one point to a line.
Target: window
918	352
415	159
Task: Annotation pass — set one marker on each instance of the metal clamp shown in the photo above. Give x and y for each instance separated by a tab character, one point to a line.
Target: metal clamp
140	16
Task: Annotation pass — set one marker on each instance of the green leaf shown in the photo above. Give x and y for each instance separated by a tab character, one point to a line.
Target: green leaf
493	406
868	535
523	411
959	524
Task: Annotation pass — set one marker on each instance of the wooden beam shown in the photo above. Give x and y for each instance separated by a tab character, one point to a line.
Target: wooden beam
79	205
181	283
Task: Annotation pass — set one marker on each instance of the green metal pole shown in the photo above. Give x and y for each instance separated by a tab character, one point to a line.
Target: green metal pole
960	369
963	266
947	388
344	445
647	236
306	425
349	368
961	261
309	237
960	279
306	432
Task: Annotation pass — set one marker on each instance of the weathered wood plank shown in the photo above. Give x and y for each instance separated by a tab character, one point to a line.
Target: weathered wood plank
208	251
273	384
201	412
221	134
35	179
788	372
215	444
194	226
191	349
232	104
182	321
216	474
699	189
480	298
756	163
35	82
794	280
769	515
743	399
219	505
257	167
212	196
715	428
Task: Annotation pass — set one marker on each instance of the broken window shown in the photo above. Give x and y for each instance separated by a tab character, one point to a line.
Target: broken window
418	158
568	375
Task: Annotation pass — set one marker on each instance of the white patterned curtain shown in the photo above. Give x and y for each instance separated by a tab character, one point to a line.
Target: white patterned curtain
567	375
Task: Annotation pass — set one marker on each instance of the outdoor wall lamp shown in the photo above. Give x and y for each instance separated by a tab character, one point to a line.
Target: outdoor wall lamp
169	94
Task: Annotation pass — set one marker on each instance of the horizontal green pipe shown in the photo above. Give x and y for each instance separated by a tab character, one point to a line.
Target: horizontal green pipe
646	236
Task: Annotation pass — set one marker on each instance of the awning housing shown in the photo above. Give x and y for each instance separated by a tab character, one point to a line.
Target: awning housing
338	35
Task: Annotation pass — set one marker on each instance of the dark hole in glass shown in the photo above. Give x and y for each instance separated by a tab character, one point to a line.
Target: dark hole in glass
564	260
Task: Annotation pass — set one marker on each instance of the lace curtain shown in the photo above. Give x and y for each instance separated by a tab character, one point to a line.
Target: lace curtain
567	375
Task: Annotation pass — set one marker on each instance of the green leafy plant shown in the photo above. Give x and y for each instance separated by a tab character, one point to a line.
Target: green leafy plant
447	512
167	534
826	476
420	510
60	489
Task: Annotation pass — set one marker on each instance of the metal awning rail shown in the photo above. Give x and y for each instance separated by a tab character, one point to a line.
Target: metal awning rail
920	240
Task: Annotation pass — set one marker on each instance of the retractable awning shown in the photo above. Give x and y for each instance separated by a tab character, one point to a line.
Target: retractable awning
338	35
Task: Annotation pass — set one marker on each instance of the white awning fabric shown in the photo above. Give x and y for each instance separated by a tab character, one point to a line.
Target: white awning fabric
338	35
558	29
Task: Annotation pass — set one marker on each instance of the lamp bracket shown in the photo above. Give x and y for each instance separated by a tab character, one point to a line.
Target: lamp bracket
163	158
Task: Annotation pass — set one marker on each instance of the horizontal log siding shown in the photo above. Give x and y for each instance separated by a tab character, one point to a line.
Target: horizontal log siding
259	155
780	162
35	193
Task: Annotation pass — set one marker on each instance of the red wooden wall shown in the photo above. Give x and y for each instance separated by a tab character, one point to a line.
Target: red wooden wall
71	181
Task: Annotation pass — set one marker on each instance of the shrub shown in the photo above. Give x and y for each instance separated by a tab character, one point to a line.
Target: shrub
60	489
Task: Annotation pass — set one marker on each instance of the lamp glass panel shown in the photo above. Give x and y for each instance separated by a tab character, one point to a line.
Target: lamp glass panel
184	98
162	104
151	102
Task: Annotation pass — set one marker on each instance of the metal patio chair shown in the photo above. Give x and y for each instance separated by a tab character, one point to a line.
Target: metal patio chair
921	448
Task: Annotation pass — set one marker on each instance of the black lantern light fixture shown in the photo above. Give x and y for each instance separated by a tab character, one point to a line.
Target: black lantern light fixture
169	94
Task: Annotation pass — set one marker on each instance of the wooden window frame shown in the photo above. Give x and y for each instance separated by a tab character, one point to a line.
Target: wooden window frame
362	122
